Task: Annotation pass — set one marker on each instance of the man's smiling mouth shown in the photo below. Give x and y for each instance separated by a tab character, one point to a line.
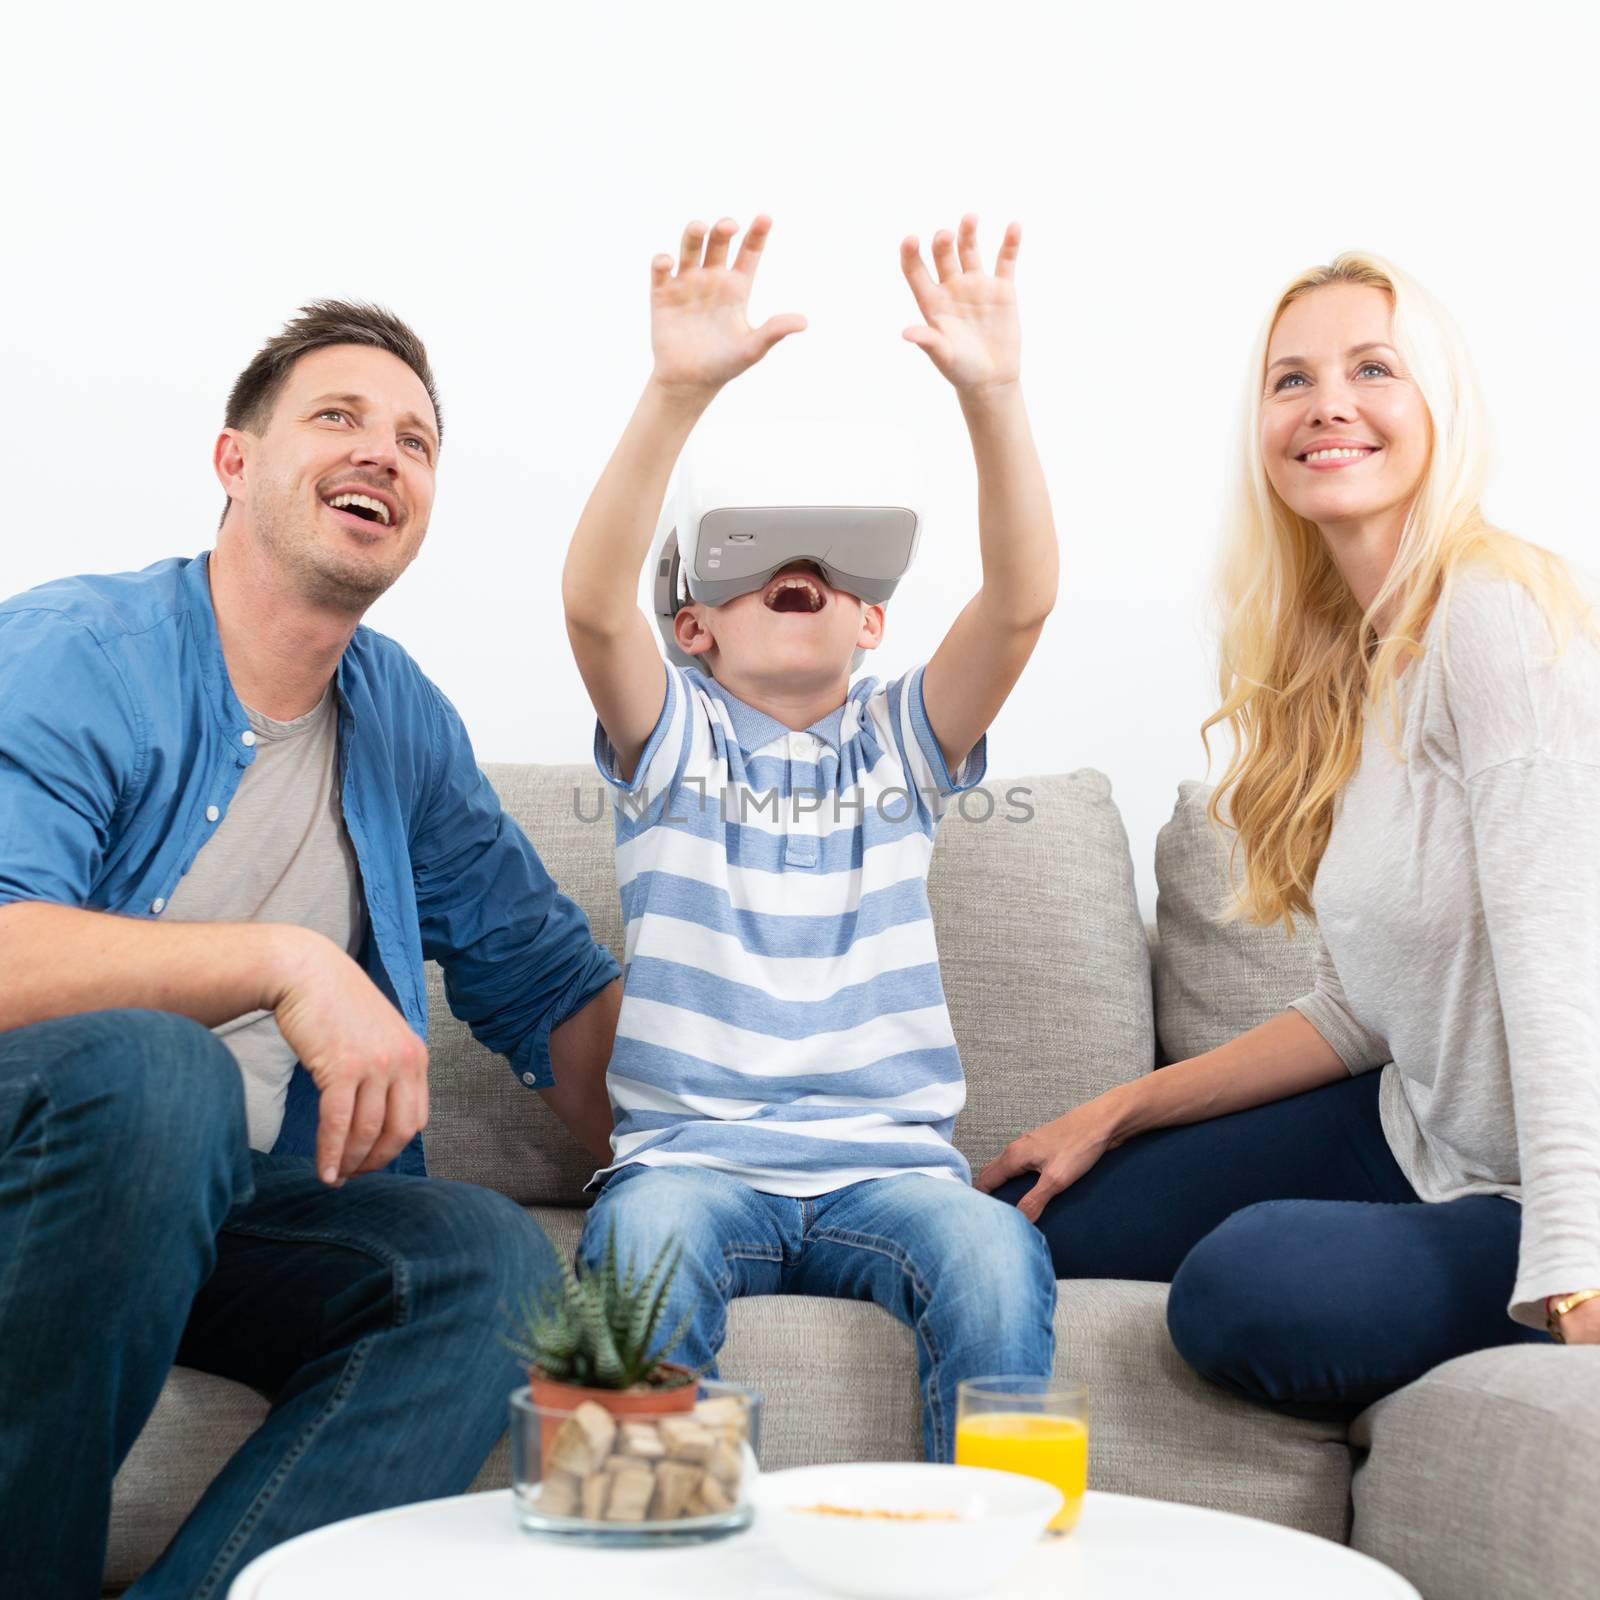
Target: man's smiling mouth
364	506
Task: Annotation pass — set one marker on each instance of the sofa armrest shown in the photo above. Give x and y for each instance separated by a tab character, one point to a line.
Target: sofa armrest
1482	1479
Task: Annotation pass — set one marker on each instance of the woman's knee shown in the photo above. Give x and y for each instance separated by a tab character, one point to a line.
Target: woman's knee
1225	1310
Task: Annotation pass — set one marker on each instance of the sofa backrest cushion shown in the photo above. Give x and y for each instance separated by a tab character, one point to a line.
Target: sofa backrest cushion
1042	952
1214	978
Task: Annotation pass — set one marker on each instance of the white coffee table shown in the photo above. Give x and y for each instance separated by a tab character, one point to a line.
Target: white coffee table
1124	1548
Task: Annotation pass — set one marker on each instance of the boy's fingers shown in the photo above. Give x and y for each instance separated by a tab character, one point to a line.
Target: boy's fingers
924	339
1005	264
944	255
333	1128
689	249
779	327
717	246
967	245
660	271
755	237
916	271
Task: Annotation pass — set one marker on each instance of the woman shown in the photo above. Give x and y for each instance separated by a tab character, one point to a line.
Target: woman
1415	699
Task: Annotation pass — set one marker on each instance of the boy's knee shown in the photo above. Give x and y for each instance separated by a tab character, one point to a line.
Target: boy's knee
990	1242
654	1210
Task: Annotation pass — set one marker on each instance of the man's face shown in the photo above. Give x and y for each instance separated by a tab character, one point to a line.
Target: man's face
350	421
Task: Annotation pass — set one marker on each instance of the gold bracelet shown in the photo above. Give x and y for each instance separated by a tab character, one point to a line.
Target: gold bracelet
1559	1308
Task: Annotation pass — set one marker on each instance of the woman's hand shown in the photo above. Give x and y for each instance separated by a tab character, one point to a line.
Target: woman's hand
698	327
1060	1152
1581	1325
971	334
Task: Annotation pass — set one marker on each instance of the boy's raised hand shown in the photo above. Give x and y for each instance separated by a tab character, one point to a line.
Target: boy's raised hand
698	326
971	334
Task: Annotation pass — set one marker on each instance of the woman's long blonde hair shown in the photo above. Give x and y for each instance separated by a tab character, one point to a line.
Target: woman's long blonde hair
1300	660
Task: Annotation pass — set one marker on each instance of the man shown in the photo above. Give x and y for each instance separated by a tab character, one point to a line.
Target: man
233	824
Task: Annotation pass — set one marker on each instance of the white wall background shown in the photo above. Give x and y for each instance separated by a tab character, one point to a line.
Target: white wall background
178	179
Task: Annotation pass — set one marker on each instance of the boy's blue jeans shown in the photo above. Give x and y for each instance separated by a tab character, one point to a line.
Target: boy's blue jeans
137	1229
969	1276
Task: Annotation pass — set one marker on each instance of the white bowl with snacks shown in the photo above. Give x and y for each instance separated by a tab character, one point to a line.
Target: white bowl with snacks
892	1529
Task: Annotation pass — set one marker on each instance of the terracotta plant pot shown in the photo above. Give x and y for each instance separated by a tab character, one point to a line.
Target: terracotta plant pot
560	1400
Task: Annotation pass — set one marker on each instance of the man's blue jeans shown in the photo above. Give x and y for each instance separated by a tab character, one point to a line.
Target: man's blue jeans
969	1276
137	1229
1306	1274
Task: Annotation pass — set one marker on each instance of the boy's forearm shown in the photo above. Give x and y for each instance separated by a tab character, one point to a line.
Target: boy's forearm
613	537
1016	528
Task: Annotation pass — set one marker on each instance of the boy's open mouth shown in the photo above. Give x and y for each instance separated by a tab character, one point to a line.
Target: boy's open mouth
793	591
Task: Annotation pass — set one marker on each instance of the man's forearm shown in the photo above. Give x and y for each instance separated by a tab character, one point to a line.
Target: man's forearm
60	961
580	1052
1016	527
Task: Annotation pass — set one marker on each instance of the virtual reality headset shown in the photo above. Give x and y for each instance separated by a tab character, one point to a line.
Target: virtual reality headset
748	500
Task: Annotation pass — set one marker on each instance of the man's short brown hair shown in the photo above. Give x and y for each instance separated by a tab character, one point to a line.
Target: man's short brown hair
322	323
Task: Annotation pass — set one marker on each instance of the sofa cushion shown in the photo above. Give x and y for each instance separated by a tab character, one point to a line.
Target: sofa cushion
1482	1478
1214	978
1043	954
839	1381
1042	951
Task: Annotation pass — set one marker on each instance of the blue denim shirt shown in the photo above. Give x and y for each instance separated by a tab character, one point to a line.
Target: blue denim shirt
121	745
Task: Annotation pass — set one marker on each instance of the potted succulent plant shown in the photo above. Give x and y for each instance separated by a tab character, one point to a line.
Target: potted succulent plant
594	1338
622	1438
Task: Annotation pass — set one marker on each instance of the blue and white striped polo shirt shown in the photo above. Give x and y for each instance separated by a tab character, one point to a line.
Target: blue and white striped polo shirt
782	1017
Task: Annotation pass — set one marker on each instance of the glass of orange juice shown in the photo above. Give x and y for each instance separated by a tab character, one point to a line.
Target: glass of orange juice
1035	1426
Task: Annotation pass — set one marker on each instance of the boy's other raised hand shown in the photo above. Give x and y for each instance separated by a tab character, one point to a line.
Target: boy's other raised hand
699	330
971	332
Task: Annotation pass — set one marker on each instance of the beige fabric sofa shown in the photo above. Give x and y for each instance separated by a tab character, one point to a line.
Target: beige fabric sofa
1481	1480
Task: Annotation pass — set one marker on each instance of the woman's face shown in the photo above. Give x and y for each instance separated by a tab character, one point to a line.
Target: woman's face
1344	431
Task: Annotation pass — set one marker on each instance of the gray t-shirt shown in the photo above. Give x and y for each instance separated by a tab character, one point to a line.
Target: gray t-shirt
1458	905
280	853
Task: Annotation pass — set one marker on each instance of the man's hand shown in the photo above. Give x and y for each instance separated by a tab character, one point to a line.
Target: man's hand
371	1068
971	334
698	325
1060	1152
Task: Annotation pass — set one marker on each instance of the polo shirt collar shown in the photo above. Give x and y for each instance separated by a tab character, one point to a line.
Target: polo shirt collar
754	729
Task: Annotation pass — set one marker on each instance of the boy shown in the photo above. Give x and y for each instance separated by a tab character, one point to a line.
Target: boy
785	1077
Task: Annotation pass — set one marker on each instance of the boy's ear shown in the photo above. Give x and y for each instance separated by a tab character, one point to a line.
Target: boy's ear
871	635
693	638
